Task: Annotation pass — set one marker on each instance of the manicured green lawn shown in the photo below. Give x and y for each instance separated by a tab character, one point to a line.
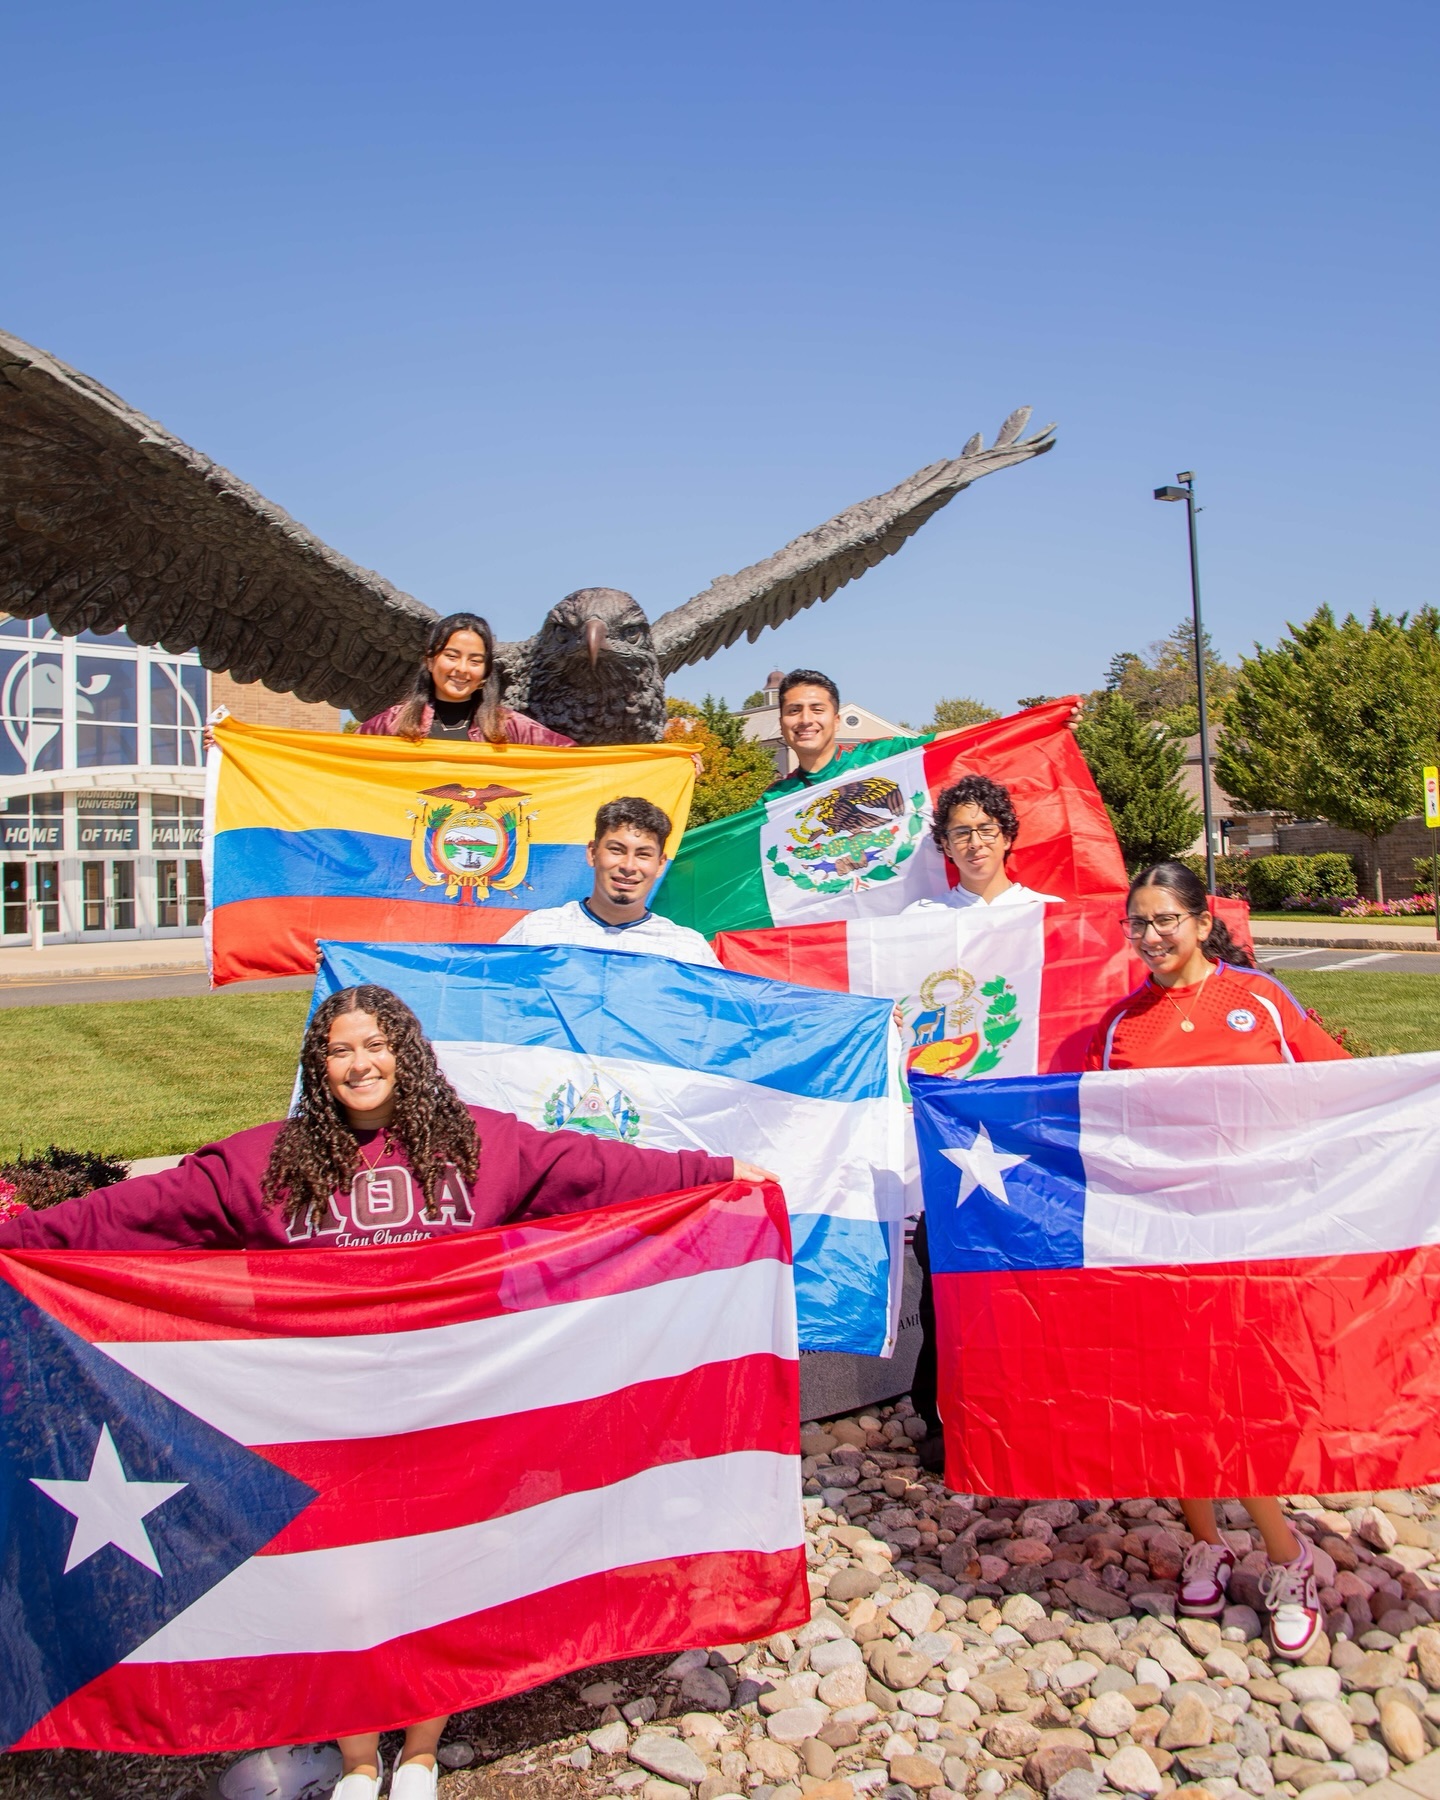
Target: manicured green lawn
146	1077
157	1077
1424	921
1390	1012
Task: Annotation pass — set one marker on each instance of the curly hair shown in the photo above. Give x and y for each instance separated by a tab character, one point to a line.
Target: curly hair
315	1154
975	790
1189	891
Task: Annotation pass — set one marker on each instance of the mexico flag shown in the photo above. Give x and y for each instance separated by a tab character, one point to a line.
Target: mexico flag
858	846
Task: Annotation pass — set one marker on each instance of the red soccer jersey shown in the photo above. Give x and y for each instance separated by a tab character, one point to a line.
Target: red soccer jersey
1236	1016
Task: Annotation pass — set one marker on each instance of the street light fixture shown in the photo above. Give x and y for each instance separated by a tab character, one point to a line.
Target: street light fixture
1187	494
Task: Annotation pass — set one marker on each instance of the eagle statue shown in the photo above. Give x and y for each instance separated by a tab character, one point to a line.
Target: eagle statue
107	521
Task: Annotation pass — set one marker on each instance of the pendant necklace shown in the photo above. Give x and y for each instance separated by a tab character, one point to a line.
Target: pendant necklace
385	1148
1187	1023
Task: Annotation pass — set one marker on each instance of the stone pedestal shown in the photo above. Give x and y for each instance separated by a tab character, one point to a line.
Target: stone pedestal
831	1383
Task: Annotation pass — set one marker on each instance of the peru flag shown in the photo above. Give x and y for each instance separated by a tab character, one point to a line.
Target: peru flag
1204	1281
1009	990
259	1498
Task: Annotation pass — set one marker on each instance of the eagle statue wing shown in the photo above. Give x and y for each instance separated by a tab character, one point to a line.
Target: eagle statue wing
110	521
815	565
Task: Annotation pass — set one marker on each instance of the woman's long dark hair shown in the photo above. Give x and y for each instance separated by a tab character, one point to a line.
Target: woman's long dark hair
1189	890
485	705
315	1154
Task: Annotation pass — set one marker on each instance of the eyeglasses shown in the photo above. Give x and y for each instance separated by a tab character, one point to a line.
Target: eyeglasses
963	834
1164	924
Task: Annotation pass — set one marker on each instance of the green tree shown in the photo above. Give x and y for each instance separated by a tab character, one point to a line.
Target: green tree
1136	764
735	770
1026	701
1161	684
754	700
952	715
1337	723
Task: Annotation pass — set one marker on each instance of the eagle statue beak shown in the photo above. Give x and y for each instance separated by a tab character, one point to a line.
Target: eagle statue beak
596	638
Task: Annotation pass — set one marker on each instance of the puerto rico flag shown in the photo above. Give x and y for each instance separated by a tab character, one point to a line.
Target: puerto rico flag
1201	1281
260	1498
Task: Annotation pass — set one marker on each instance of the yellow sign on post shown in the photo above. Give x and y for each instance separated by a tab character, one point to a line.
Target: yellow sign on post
1432	798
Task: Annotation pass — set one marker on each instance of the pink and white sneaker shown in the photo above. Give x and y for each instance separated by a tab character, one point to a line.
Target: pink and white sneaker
1204	1579
1289	1594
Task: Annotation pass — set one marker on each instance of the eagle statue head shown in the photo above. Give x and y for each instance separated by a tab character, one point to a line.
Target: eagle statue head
594	673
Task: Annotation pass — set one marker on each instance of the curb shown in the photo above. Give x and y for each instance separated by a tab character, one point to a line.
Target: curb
50	977
1309	943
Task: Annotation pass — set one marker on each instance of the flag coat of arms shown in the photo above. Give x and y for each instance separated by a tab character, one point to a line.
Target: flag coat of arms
272	1497
859	846
677	1056
1198	1281
313	834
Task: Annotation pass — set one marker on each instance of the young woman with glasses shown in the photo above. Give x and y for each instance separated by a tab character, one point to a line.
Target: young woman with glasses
1205	1003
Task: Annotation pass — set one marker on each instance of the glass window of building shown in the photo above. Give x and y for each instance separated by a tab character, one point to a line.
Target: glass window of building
107	716
101	785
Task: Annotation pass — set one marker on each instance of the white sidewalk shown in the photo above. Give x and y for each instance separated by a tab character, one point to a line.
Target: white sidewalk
167	956
1344	934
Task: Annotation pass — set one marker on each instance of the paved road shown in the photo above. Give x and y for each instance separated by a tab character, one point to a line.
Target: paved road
80	988
1412	962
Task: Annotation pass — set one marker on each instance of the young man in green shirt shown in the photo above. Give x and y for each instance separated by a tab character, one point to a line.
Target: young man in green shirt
809	715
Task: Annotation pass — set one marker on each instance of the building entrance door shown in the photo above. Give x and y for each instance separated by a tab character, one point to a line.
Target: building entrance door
107	895
20	884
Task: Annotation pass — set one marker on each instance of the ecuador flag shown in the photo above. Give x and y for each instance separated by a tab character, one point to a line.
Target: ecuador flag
311	834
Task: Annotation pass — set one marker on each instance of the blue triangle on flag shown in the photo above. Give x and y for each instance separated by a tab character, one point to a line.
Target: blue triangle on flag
58	1397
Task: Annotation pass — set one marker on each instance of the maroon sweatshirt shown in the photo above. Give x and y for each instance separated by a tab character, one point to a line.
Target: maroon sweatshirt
212	1201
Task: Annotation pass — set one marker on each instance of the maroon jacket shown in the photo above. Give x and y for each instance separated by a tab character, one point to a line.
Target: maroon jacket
518	728
212	1201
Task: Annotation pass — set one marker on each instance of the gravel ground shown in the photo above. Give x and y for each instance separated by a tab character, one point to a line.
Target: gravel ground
961	1645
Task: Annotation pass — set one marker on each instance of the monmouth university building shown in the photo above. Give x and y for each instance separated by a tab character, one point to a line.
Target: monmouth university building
102	783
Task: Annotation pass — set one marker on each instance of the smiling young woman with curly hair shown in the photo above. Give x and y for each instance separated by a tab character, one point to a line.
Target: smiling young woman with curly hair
379	1149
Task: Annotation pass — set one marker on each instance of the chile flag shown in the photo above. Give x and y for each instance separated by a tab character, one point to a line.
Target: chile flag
1198	1281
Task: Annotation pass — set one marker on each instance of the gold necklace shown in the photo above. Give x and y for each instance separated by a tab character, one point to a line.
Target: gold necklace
385	1148
1186	1020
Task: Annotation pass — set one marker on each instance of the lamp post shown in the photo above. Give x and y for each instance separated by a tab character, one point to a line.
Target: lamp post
1187	494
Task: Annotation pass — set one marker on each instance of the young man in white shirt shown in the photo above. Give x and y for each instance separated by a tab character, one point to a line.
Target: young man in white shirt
628	857
975	828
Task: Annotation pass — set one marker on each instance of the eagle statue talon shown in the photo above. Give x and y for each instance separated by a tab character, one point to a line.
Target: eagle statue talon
112	522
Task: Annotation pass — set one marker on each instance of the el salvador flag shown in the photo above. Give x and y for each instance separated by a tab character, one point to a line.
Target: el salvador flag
1207	1281
680	1056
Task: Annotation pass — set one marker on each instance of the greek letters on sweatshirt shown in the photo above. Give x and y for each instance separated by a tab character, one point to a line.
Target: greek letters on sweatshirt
213	1201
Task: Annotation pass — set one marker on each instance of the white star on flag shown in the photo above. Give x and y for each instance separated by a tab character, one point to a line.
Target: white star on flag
981	1165
109	1508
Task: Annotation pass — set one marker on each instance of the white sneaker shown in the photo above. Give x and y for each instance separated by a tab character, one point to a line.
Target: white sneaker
1289	1593
413	1781
360	1787
1204	1579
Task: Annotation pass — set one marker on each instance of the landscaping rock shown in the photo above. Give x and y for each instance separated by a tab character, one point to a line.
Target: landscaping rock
1045	1767
1402	1731
1189	1725
670	1758
1131	1771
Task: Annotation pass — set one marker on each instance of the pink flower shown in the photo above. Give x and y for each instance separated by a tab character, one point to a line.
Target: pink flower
10	1201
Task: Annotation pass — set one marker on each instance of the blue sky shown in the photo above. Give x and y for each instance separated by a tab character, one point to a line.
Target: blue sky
504	302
